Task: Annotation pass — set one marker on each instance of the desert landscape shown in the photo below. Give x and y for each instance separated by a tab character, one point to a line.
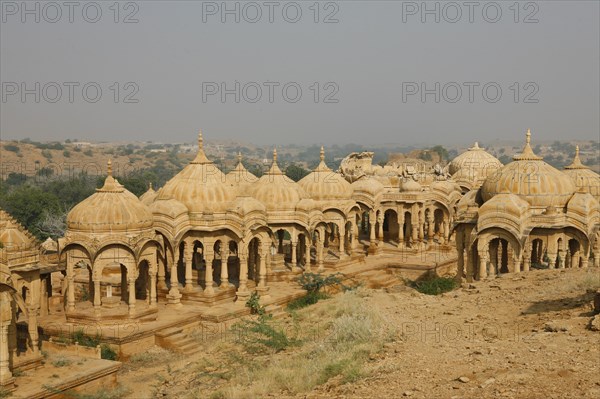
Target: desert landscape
527	336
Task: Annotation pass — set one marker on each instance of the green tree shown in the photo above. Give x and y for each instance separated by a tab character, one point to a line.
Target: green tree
296	172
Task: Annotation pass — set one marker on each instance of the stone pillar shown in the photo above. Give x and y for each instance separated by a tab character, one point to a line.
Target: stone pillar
131	290
320	266
561	259
224	269
421	229
584	260
494	259
372	238
446	230
342	243
262	270
188	259
293	255
552	260
6	377
209	255
306	255
153	300
526	257
70	290
355	233
470	265
243	273
482	266
380	231
97	294
460	264
400	229
430	224
575	259
414	235
174	294
32	328
162	284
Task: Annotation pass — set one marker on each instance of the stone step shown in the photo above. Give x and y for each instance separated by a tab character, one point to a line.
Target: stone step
167	332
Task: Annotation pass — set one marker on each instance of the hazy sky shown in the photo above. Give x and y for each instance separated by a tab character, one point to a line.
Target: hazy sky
366	71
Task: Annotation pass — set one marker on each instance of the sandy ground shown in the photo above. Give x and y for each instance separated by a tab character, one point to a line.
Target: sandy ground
517	336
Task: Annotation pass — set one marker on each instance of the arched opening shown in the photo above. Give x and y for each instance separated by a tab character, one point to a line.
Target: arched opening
407	227
198	264
124	290
574	249
390	225
438	220
142	288
498	256
538	254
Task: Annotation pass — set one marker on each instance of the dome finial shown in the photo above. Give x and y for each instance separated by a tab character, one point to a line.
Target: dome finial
476	144
200	140
150	186
527	153
109	168
576	164
322	154
239	156
274	155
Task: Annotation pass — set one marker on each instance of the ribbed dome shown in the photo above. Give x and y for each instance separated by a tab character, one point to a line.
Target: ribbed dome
200	186
240	177
323	184
149	196
475	164
584	178
410	185
277	191
111	208
531	179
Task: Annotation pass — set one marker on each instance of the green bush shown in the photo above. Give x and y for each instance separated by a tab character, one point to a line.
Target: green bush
254	304
313	282
309	299
84	340
434	286
108	353
12	148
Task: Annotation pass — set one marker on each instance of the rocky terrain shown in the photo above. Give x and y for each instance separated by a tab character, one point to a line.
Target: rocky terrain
531	335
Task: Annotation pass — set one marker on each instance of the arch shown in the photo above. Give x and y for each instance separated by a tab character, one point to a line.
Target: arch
391	228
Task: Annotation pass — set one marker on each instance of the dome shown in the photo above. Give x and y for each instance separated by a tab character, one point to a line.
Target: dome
474	165
200	186
111	208
149	196
584	178
410	185
240	177
277	191
531	179
14	239
170	207
367	185
445	186
323	184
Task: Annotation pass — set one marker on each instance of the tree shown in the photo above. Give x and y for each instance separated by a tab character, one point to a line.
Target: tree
28	204
441	151
295	172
